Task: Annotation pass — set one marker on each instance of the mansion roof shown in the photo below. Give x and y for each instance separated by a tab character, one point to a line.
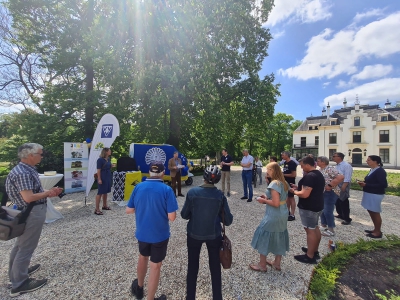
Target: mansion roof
372	111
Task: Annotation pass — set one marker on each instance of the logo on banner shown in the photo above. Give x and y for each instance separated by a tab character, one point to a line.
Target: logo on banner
155	155
106	131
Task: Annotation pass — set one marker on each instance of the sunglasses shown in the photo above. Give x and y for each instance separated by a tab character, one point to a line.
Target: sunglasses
41	154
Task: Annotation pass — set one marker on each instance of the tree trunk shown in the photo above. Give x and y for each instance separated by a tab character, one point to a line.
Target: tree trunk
174	127
89	110
88	65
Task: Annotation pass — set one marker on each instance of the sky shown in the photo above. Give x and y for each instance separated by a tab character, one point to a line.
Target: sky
326	50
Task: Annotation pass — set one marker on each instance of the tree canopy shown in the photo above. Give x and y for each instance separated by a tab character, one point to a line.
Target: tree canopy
182	72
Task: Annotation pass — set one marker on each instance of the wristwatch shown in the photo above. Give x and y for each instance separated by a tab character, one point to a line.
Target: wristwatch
329	185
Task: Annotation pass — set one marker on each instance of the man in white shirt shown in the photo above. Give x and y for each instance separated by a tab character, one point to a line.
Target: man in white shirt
342	203
247	173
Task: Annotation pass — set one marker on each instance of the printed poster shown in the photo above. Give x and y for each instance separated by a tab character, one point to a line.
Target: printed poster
76	160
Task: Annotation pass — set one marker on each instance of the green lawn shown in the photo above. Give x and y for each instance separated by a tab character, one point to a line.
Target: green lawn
392	178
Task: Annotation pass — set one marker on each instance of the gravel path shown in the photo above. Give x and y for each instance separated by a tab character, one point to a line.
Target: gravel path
85	256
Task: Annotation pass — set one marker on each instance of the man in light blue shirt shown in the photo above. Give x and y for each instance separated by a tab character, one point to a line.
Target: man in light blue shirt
342	203
247	164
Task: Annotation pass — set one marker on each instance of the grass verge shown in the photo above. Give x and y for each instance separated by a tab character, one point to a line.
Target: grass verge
393	180
325	274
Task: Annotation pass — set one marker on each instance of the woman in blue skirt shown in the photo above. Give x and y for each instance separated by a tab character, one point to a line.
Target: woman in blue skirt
374	186
271	236
103	179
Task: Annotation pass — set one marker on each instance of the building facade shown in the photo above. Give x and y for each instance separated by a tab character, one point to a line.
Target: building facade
356	131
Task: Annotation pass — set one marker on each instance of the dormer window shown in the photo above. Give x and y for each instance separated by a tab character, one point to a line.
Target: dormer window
384	117
356	121
334	122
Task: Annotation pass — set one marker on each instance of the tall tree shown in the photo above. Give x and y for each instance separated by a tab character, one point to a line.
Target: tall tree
171	71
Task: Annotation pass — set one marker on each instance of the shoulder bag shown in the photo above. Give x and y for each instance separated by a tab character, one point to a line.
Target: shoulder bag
225	251
13	222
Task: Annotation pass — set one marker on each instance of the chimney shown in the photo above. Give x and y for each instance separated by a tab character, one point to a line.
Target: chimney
324	111
388	104
357	104
344	103
328	111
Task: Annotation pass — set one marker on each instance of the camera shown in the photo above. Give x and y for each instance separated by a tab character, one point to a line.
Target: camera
61	195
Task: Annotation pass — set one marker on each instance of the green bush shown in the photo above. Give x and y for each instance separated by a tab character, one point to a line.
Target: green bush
197	170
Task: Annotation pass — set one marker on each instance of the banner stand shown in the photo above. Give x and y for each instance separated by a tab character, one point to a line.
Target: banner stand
106	132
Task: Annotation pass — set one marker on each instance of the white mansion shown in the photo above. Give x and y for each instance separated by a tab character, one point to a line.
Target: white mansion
356	131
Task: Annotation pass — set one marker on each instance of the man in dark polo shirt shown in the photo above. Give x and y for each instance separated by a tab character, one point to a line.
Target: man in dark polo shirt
226	163
289	171
311	204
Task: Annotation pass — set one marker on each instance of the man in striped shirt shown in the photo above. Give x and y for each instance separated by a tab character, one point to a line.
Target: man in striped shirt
23	187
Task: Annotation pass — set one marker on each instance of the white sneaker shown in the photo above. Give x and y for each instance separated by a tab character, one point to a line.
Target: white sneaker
327	233
323	228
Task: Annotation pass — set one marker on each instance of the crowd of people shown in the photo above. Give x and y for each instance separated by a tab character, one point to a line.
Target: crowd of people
155	206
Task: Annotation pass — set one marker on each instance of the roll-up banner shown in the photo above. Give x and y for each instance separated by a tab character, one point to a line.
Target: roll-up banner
106	132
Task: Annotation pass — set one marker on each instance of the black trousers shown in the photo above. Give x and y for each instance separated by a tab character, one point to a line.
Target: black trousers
194	248
343	209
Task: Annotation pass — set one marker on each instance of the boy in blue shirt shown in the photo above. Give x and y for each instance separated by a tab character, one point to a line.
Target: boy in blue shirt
155	205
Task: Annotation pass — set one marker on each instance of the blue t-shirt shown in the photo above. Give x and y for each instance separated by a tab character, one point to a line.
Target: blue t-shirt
152	201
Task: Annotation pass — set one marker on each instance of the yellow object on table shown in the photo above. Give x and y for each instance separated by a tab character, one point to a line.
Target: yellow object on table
131	180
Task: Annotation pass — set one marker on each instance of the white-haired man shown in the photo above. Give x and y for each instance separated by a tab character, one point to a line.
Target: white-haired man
155	205
23	188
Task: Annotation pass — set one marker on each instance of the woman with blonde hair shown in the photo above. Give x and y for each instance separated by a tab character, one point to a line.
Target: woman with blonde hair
103	179
271	236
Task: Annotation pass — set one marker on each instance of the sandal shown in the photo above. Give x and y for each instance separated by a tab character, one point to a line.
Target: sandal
106	208
98	212
271	263
257	268
370	235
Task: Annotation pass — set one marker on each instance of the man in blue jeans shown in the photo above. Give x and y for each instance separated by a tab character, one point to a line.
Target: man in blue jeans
247	173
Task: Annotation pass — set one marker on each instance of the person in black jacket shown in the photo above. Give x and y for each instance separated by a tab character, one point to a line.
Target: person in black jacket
374	186
203	208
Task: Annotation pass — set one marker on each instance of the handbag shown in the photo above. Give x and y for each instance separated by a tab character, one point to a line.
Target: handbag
95	174
13	222
225	251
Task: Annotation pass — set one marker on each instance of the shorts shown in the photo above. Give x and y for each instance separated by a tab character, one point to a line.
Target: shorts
156	251
309	219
